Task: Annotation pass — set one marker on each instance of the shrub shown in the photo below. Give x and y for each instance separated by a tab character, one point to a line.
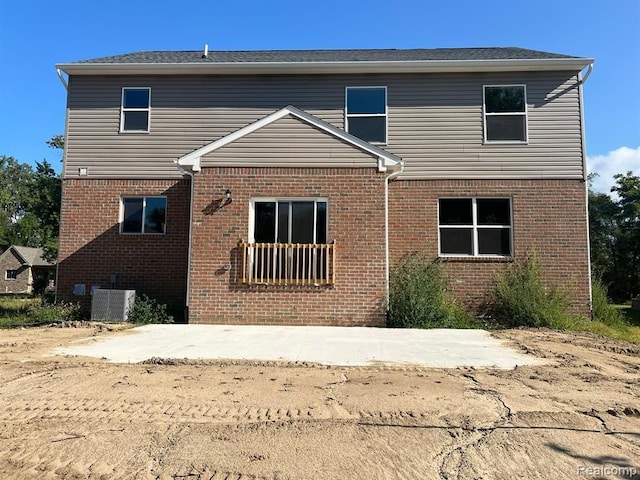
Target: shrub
520	297
603	311
418	297
42	312
147	310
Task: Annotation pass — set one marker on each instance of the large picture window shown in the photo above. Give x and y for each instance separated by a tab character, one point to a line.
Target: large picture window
290	221
289	243
475	227
505	113
144	215
135	109
366	113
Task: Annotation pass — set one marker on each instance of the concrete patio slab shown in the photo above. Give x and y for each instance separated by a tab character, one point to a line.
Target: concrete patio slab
341	346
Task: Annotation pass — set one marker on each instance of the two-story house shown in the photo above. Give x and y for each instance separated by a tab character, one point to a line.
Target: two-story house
282	186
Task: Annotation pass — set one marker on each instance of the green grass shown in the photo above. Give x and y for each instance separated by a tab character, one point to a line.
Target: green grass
631	316
619	330
17	310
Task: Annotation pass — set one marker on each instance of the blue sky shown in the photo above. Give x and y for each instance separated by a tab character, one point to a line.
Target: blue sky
38	34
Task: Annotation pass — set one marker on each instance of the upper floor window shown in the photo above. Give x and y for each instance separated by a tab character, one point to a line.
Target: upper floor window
11	275
505	113
475	227
366	113
135	109
144	215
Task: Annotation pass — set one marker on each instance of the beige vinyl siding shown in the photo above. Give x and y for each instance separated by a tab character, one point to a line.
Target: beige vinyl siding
435	122
289	142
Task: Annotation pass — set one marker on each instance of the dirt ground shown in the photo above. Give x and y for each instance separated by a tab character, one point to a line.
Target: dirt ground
577	416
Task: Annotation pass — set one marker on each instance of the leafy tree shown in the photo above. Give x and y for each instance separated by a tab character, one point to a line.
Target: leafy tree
56	141
30	203
628	235
615	236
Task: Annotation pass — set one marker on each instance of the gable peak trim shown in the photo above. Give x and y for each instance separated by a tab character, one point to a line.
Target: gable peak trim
386	160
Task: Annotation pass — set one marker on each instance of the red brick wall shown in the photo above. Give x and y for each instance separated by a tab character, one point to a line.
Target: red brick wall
549	218
22	283
356	223
91	247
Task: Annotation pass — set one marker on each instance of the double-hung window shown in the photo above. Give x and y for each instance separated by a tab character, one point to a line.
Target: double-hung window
135	109
505	113
475	227
366	113
11	275
144	215
288	243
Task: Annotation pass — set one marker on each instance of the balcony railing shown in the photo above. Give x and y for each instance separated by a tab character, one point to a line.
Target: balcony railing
288	264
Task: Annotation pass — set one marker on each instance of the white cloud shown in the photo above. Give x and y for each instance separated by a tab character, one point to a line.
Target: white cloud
621	160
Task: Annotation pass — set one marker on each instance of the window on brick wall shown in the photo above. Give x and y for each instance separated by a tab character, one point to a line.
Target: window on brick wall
288	243
475	227
11	275
146	215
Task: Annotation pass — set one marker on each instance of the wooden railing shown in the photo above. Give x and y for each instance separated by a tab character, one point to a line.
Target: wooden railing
288	264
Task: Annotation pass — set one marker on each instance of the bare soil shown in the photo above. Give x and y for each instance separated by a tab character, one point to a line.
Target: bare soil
577	416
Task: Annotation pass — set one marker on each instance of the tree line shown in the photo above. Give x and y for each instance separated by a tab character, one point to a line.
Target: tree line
614	228
30	203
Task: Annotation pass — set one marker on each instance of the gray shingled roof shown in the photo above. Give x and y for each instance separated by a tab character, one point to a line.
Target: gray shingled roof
32	256
300	56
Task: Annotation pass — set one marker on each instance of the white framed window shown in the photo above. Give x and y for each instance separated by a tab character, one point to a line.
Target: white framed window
135	109
146	215
475	227
366	113
505	114
11	275
288	220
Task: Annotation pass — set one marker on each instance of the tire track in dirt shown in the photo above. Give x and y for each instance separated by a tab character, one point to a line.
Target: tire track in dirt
123	410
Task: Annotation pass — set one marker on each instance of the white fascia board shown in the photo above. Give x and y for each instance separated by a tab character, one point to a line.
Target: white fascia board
276	68
385	159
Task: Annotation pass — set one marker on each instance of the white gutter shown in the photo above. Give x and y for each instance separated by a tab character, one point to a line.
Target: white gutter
581	81
62	80
387	179
192	188
275	68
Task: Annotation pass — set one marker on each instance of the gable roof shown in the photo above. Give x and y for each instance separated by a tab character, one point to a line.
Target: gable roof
29	256
361	60
385	159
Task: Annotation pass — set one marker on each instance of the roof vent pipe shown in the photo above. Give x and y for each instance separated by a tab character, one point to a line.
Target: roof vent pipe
206	51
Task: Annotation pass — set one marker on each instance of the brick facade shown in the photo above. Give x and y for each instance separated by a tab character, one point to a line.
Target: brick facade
356	222
92	248
549	218
23	280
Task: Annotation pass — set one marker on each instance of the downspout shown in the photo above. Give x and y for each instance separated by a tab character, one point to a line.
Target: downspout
62	80
191	175
581	81
65	84
387	179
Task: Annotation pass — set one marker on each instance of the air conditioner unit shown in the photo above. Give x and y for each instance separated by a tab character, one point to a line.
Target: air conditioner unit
112	305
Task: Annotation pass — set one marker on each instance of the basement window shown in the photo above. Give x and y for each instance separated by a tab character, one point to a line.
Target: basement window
135	109
146	215
505	114
475	227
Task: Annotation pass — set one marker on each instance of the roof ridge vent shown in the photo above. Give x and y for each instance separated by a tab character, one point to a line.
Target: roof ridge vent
206	51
